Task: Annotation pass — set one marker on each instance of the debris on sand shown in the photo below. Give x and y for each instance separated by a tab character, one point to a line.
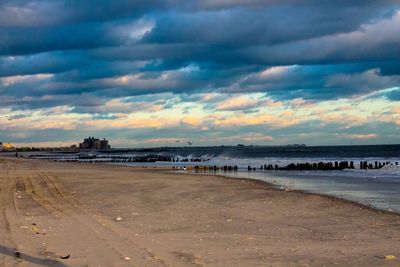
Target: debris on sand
65	257
127	258
35	229
17	254
389	257
119	218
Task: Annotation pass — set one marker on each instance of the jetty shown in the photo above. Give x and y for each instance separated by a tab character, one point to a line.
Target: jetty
307	166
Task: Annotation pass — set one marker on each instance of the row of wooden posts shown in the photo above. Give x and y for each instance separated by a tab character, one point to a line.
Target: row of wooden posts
336	165
376	165
146	158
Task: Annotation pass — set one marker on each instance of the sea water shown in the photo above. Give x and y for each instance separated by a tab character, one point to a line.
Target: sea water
378	188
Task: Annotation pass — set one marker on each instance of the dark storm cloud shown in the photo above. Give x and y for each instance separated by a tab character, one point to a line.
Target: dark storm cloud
319	82
55	62
83	100
22	41
43	13
238	27
109	49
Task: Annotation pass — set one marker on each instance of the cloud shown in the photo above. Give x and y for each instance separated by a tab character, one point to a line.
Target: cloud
359	136
11	80
28	13
191	120
256	138
118	106
163	140
363	43
279	121
239	103
204	69
393	94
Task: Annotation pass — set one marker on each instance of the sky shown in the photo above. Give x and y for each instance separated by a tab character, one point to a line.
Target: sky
150	73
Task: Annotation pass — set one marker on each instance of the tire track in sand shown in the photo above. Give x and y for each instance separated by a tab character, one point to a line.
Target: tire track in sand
48	192
8	211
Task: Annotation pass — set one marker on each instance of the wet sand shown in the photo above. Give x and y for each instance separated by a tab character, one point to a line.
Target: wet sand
116	216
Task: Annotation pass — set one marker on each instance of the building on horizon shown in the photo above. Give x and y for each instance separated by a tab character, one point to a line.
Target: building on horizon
6	147
92	143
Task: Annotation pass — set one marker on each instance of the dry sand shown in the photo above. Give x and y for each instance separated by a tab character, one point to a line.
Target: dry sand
116	216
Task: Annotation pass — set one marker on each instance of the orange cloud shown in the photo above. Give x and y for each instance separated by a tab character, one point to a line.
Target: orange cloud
396	110
238	102
191	120
42	123
359	136
288	113
343	118
282	120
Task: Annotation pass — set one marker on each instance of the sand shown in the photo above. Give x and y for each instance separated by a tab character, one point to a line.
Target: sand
117	216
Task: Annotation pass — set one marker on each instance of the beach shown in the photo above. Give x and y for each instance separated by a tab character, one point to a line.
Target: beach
81	214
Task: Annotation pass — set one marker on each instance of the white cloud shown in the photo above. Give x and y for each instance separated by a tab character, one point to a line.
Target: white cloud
132	31
10	80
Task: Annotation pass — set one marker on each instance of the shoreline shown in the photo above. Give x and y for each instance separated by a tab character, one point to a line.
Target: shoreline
332	197
219	175
336	198
266	183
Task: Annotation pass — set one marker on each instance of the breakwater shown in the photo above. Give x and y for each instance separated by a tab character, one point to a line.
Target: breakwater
304	166
113	158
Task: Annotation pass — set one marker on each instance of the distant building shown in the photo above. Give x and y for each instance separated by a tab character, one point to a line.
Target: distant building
6	147
94	144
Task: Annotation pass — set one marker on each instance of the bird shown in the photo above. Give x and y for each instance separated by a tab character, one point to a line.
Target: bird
189	143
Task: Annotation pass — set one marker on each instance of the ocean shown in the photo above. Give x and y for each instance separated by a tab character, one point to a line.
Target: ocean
378	188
